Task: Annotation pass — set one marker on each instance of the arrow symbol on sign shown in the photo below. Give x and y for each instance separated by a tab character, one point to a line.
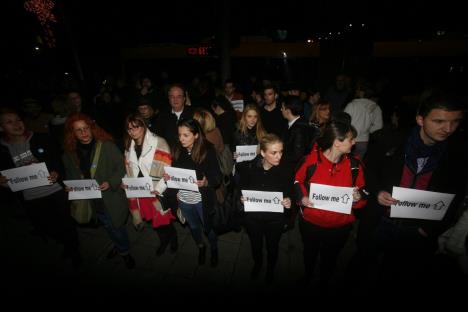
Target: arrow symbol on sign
276	200
439	205
345	198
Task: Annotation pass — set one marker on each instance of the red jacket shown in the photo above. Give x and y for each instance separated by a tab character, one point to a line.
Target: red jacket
329	174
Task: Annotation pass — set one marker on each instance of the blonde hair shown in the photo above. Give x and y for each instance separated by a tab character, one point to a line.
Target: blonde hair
206	120
314	116
267	140
260	131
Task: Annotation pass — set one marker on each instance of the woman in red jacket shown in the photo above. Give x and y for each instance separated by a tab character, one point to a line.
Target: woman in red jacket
323	231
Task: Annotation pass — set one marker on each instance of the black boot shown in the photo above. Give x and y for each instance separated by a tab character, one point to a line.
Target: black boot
201	254
255	270
214	258
270	275
174	243
161	249
163	233
129	261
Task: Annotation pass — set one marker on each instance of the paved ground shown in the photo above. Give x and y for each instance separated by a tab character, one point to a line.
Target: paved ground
35	263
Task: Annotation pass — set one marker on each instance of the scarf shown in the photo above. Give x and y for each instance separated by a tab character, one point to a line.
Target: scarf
428	156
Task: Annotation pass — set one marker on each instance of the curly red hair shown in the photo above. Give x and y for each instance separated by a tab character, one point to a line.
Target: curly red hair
69	137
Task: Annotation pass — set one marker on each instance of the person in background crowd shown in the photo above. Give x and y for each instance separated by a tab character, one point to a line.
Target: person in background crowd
166	124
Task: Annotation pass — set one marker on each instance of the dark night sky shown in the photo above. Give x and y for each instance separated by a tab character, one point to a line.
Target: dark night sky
109	23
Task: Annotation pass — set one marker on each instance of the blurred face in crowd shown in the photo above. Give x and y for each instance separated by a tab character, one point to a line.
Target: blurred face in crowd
176	99
251	119
75	100
136	132
82	132
145	111
186	137
323	113
146	83
229	89
314	98
270	96
11	125
272	155
438	125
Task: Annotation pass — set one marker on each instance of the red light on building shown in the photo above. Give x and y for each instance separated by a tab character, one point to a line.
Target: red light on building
199	51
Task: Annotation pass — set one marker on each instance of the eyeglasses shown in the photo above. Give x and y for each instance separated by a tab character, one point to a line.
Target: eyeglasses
81	130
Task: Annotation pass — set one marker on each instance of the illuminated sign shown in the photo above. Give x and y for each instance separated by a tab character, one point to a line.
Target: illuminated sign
199	51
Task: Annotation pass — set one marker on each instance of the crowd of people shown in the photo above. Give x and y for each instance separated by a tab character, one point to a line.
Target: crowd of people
299	138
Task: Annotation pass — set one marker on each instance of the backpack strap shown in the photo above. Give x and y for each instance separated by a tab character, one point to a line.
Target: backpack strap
97	153
354	163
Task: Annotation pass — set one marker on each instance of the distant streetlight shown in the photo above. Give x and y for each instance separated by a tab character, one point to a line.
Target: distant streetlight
285	55
36	48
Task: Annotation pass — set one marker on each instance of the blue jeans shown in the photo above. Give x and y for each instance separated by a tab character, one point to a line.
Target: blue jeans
193	213
119	236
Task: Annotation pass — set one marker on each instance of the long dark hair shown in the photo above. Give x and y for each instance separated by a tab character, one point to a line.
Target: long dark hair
200	145
136	121
335	130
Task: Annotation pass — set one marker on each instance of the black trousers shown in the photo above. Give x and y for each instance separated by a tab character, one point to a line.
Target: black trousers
264	225
328	242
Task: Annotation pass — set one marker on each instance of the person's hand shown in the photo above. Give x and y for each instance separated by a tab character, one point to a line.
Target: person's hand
155	193
166	177
3	181
306	202
386	199
356	194
104	186
123	186
203	182
242	199
286	202
235	155
53	177
422	232
68	189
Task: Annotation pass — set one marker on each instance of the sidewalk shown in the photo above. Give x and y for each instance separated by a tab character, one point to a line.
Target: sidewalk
35	263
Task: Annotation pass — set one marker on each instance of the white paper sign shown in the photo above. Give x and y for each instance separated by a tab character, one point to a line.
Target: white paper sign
238	105
262	201
417	204
138	187
83	189
27	177
184	179
331	198
246	152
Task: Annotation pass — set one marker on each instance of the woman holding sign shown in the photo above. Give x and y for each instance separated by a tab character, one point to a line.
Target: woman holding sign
46	205
146	155
326	231
265	173
250	132
91	154
194	152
